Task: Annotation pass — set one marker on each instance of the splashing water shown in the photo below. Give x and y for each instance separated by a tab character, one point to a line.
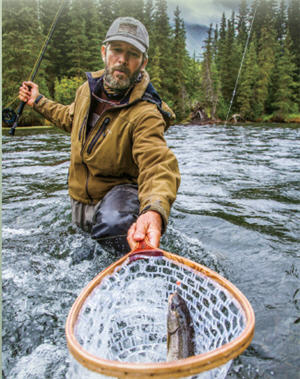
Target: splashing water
237	212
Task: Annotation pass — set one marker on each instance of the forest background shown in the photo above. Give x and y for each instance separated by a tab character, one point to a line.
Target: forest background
269	81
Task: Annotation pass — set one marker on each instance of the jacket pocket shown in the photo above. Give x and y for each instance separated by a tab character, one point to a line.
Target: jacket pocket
100	132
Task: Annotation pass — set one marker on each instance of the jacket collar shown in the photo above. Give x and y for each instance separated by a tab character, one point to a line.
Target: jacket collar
136	93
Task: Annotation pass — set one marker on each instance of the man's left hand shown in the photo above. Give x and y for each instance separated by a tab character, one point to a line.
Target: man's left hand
147	225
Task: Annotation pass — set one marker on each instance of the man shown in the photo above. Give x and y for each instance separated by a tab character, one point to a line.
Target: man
123	178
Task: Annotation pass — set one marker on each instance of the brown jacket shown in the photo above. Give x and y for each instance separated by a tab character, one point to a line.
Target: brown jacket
126	145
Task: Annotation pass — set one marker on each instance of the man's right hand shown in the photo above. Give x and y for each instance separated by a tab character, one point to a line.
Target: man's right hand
28	92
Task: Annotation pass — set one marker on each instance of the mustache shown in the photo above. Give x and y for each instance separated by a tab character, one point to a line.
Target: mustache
122	69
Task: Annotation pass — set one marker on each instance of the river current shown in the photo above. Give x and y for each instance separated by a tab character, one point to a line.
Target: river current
237	212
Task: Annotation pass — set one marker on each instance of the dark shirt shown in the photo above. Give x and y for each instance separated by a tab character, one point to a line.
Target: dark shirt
99	104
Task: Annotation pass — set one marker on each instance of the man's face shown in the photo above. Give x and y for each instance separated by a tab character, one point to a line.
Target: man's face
123	62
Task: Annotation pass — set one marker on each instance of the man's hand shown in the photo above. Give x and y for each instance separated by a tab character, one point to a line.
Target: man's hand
28	92
147	225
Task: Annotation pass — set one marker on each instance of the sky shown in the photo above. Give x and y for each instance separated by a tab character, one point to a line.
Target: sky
202	12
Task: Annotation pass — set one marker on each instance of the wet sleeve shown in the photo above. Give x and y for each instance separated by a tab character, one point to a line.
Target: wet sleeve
159	176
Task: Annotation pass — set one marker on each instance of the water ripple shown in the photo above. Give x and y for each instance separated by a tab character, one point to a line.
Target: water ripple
237	212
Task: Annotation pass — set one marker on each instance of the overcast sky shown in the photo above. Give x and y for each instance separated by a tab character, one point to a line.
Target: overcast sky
202	12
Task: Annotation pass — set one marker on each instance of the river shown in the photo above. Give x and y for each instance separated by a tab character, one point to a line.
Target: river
237	212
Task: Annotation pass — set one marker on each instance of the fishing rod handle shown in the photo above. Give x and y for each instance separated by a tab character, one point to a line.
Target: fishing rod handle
19	112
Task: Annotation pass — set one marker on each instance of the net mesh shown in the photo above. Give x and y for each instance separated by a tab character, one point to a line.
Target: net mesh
125	316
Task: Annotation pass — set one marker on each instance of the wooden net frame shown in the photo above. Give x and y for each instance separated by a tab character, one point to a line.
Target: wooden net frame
175	369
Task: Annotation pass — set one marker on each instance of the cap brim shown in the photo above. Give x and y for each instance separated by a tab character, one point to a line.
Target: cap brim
129	40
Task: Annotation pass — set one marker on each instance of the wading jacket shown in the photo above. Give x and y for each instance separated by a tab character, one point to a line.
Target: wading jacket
126	145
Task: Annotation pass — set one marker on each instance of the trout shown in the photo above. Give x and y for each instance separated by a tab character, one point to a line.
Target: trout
181	334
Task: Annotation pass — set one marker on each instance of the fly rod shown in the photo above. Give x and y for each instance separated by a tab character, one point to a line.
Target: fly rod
241	65
36	67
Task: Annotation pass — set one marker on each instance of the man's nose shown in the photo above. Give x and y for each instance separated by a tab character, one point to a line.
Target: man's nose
123	58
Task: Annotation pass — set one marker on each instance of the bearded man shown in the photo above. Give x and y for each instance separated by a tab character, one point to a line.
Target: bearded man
123	178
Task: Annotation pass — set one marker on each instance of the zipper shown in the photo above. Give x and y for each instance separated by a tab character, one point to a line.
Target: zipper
87	182
98	134
90	147
82	127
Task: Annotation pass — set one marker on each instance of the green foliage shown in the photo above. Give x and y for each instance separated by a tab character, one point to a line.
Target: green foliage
65	89
284	98
266	61
210	81
83	49
180	59
245	97
21	44
268	82
155	70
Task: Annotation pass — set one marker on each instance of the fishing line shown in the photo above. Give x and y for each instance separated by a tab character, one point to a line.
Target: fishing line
241	65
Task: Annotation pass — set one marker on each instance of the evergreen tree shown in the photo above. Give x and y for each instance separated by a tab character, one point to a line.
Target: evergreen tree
215	42
148	15
130	8
84	47
242	18
107	14
269	81
193	82
22	41
246	91
230	62
266	60
281	22
293	27
155	70
95	33
162	37
149	22
284	96
221	48
180	58
55	62
209	81
263	18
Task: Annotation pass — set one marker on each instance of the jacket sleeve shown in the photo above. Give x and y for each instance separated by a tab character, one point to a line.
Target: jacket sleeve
159	176
60	115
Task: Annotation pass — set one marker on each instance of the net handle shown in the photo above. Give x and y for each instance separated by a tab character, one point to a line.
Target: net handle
142	249
143	245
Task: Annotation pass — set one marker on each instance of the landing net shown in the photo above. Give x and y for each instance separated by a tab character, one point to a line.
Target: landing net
118	325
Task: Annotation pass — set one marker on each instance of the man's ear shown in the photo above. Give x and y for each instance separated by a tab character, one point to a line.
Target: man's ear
103	52
144	63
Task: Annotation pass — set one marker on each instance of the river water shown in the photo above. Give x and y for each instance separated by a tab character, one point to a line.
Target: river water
237	212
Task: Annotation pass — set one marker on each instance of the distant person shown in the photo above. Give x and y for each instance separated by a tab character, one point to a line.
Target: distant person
123	178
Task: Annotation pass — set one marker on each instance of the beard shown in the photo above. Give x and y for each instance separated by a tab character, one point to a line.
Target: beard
123	82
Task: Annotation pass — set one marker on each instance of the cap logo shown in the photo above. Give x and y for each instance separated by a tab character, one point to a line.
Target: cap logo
128	28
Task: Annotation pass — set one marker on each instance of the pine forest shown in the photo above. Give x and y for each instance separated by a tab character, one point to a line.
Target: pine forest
262	34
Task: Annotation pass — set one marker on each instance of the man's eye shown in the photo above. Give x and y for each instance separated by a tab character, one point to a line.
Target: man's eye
135	55
117	50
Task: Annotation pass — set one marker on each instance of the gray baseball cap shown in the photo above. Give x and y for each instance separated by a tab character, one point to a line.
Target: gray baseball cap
130	30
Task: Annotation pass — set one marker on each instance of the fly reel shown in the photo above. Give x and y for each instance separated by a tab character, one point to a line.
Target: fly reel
9	116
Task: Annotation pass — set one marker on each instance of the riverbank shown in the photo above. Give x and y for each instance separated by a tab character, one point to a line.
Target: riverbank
290	122
30	127
295	121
